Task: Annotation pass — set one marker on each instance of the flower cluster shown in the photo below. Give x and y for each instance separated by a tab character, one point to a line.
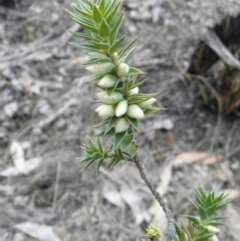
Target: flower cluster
119	103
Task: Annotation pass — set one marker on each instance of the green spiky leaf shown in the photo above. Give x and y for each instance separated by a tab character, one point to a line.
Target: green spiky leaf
134	123
127	48
127	140
118	140
81	35
115	28
97	16
92	78
133	71
111	123
132	150
104	29
116	45
88	47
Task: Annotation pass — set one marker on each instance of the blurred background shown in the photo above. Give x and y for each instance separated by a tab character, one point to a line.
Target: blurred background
190	52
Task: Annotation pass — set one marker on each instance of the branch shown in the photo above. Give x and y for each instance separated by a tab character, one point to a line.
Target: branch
162	203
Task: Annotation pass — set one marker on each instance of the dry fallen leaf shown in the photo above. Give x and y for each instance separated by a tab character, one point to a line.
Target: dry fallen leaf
134	201
131	198
232	193
38	231
224	173
233	221
30	165
158	215
197	157
17	154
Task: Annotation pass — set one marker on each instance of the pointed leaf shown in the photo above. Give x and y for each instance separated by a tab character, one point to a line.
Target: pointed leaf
134	123
84	6
203	192
81	35
97	16
109	7
215	223
139	84
125	57
85	159
115	29
178	230
111	90
89	47
113	162
127	140
99	145
98	60
84	13
193	219
204	237
118	140
89	164
112	15
102	6
210	210
132	150
104	29
133	71
104	46
100	162
152	110
102	123
109	133
111	123
126	48
202	212
116	45
92	78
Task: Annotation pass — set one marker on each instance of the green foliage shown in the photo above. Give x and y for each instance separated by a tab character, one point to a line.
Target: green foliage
203	227
102	21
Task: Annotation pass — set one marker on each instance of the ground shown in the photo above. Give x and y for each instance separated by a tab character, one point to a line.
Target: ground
46	115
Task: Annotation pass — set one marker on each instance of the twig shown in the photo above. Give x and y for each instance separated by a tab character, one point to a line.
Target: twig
213	41
56	186
162	203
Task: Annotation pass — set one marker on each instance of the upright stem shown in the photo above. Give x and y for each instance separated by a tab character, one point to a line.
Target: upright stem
162	203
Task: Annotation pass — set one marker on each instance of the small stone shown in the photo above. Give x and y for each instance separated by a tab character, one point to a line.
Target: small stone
19	237
11	109
43	138
61	125
20	201
4	139
64	234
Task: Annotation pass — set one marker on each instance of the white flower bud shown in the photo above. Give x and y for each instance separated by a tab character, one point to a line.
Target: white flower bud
104	97
213	238
122	69
134	91
100	69
134	111
116	58
146	103
106	110
212	229
108	81
121	125
121	108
